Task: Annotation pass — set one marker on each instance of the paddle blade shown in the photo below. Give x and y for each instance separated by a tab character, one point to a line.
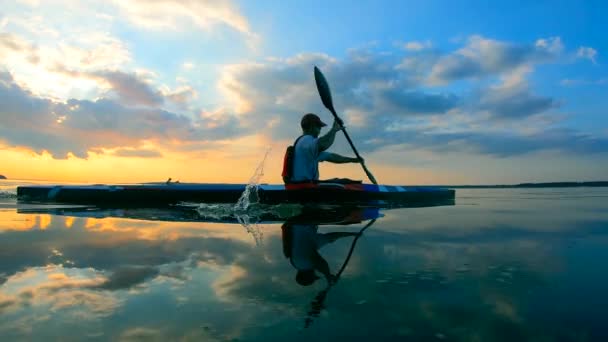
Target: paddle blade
323	88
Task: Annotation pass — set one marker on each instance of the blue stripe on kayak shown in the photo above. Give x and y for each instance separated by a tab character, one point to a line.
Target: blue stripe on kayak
224	187
272	187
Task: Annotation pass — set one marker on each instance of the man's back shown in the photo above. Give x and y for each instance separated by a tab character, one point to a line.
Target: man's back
306	159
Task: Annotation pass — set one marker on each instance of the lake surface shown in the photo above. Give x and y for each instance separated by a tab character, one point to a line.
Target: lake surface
499	265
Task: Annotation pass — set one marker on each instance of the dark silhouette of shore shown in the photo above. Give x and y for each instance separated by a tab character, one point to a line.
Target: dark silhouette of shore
2	177
531	185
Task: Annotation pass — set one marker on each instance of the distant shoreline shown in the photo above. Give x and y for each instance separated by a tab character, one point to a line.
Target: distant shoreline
531	185
2	177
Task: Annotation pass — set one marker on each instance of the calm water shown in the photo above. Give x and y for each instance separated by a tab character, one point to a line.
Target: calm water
500	265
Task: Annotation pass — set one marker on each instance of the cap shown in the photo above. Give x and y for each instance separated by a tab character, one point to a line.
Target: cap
311	120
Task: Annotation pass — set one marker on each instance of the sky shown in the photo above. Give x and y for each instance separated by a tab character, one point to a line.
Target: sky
431	92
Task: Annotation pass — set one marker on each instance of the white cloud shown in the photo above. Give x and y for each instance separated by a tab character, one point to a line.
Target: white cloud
376	91
483	57
188	65
417	45
163	14
587	53
77	126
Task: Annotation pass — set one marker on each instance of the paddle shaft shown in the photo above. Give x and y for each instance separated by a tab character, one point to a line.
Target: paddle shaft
367	172
352	248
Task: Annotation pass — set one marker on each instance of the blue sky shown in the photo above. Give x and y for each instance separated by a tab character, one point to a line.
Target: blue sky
432	92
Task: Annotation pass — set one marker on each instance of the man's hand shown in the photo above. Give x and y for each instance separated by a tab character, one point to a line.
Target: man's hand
336	126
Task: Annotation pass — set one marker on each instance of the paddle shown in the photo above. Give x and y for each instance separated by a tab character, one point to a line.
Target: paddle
323	88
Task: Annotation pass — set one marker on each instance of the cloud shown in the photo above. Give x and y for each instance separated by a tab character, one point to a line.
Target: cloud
14	47
171	14
78	126
418	102
361	82
383	105
157	14
503	144
483	57
131	90
515	102
82	65
138	153
182	95
587	53
417	45
378	95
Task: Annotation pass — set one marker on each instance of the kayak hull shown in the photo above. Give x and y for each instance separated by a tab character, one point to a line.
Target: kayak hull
162	194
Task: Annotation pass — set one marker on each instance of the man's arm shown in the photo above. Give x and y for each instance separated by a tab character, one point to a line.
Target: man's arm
328	139
339	159
322	266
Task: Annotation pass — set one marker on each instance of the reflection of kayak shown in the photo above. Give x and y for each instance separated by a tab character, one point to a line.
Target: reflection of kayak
335	215
160	193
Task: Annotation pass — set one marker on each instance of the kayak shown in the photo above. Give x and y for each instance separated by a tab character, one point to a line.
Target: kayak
172	193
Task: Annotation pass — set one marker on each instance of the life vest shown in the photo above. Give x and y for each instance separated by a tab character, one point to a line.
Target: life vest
288	161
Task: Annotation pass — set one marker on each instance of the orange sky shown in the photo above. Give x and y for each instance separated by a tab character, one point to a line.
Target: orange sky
231	165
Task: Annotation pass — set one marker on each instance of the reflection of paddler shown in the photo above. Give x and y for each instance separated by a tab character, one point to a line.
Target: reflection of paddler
301	244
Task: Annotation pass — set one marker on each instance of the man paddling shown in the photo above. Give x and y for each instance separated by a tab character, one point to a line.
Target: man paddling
309	150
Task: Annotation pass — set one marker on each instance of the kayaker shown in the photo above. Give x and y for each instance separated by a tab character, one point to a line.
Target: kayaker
309	150
301	244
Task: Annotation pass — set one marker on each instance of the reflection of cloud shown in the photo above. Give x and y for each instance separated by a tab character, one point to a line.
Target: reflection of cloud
446	270
141	334
6	303
126	277
151	248
58	288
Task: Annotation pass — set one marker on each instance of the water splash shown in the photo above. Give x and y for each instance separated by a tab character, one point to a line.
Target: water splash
252	228
250	195
247	209
217	211
8	194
